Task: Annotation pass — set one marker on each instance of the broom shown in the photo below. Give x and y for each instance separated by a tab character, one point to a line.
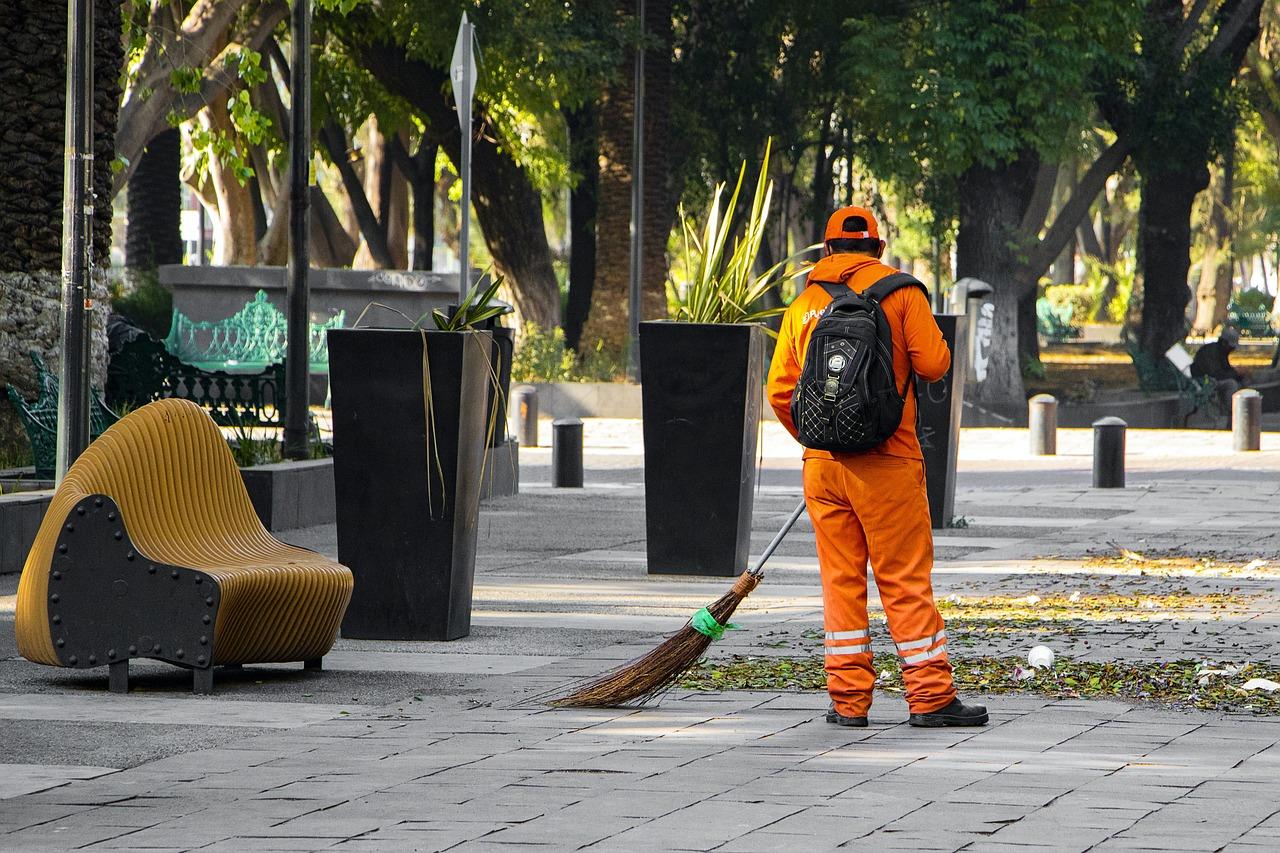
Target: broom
647	676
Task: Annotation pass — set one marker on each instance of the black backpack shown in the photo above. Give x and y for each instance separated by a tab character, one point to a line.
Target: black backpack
847	399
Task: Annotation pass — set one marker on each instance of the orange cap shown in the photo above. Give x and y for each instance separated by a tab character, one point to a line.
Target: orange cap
836	225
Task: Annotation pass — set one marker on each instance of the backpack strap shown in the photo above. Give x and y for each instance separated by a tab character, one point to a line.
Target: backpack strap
896	281
834	289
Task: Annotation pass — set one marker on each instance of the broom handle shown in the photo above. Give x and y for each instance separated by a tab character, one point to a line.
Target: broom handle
758	568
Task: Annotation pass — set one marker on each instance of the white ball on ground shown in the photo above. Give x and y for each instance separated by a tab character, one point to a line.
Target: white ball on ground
1040	657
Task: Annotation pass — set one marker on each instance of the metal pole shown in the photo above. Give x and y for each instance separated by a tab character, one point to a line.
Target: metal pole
1246	420
464	274
566	453
1042	423
1108	453
77	239
297	361
637	206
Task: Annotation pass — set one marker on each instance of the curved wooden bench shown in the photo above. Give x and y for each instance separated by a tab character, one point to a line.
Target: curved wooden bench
150	548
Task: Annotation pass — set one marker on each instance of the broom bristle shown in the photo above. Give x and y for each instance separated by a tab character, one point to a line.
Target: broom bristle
648	676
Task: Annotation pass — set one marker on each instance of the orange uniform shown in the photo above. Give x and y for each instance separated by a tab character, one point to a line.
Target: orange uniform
873	504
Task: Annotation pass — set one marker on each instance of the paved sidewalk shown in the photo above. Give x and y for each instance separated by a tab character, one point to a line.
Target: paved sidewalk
435	746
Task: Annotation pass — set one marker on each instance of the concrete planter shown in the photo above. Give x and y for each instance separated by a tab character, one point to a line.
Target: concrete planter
287	495
20	517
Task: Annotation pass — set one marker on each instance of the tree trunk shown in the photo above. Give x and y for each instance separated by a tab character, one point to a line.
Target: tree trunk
374	245
1164	249
33	37
423	185
387	192
993	202
1213	294
821	201
507	205
608	321
235	237
153	235
584	147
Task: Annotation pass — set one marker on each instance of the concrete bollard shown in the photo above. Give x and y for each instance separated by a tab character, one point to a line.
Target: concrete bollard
566	453
1042	421
1108	453
524	415
1246	420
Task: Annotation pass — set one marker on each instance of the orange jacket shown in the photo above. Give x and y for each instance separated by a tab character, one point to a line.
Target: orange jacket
917	343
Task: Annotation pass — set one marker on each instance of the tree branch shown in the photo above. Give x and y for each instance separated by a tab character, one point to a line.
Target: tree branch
334	139
1041	197
1064	224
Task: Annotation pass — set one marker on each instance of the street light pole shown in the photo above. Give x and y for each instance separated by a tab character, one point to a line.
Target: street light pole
297	359
77	239
637	206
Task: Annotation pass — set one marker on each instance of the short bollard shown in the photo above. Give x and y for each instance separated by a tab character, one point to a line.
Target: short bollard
1246	420
1042	420
566	453
524	414
1108	453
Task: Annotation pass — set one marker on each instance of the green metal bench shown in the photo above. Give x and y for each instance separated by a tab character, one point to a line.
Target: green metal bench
40	417
250	341
1054	322
1252	324
144	370
1160	375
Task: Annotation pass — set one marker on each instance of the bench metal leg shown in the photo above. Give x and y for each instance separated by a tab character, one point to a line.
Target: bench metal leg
313	663
202	681
118	676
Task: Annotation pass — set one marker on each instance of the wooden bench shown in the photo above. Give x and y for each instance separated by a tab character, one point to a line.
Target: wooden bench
249	341
150	548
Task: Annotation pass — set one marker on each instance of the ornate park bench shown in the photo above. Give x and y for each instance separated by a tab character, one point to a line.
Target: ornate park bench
1162	375
1054	322
150	548
249	341
1252	324
40	417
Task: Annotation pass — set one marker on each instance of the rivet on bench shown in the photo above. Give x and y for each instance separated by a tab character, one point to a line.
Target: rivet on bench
79	510
119	534
204	641
199	580
97	501
111	653
57	620
180	653
61	642
54	598
93	659
174	574
69	527
206	619
73	660
209	601
111	516
151	570
200	660
155	650
129	555
133	650
57	576
62	548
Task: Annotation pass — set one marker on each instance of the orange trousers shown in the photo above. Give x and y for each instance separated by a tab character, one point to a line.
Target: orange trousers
874	505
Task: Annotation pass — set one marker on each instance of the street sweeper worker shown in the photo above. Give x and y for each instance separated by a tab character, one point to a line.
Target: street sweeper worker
870	502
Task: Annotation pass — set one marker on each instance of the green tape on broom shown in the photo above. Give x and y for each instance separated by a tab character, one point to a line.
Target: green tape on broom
704	623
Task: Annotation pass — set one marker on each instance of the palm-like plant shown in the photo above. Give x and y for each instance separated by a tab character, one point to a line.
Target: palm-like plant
719	284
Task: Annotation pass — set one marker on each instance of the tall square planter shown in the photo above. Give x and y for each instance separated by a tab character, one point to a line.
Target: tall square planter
407	490
701	398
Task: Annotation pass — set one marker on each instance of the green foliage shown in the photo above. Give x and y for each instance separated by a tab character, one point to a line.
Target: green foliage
186	79
1033	368
947	86
478	306
147	303
716	285
1122	272
542	356
1253	300
1082	299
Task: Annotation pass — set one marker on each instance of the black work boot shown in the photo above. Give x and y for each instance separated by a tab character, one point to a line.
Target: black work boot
955	714
837	719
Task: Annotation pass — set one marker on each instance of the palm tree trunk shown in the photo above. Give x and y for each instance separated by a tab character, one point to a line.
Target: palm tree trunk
153	235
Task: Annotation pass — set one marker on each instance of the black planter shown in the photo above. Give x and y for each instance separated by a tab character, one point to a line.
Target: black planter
701	394
941	409
407	522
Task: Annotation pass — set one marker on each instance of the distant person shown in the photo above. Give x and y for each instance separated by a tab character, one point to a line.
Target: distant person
1213	361
867	503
